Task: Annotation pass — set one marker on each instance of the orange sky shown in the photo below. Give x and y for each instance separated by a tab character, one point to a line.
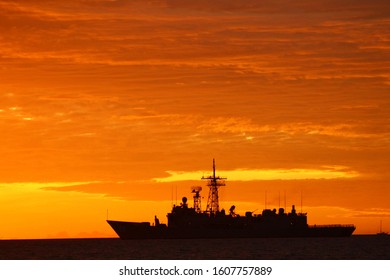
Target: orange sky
116	104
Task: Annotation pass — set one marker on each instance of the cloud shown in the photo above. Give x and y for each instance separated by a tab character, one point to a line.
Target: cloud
35	186
245	125
276	6
294	82
372	213
255	175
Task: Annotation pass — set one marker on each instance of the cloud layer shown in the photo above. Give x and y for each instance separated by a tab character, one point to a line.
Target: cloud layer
122	91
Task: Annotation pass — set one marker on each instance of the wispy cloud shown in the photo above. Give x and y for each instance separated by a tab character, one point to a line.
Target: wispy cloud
255	175
373	213
34	186
244	125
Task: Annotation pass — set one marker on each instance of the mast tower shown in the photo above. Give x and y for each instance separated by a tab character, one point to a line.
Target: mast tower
197	198
213	183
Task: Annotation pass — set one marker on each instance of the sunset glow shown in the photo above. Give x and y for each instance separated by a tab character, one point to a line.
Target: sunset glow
119	107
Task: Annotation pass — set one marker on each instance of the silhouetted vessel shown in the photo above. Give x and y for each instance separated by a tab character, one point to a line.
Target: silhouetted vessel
381	233
191	222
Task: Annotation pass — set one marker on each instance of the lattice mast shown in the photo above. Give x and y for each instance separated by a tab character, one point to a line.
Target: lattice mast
197	198
213	183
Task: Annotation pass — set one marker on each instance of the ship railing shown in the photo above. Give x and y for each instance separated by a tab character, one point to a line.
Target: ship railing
332	225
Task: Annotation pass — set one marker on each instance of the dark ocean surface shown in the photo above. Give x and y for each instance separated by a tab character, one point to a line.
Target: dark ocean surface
363	247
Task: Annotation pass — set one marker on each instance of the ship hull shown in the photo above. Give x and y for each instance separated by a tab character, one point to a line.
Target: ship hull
131	230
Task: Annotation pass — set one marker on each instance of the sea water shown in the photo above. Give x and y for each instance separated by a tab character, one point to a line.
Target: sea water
357	247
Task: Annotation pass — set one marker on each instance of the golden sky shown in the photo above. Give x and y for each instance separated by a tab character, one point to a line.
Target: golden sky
120	105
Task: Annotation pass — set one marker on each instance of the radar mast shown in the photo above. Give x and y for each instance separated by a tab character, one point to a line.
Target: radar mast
213	183
197	198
